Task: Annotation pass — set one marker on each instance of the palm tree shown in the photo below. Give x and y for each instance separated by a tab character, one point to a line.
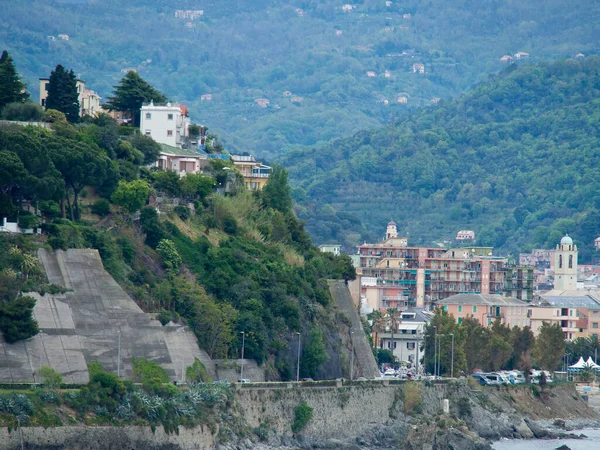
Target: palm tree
393	316
378	324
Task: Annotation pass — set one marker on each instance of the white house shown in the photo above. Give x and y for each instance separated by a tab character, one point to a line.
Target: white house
166	124
336	249
407	336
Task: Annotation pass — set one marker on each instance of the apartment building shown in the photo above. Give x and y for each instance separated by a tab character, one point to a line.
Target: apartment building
395	275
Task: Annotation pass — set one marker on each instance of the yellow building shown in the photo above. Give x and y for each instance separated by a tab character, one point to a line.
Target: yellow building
255	174
89	101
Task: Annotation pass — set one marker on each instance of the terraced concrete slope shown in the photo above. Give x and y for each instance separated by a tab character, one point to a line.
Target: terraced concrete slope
84	324
362	350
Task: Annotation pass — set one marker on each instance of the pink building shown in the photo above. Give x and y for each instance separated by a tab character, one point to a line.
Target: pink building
486	308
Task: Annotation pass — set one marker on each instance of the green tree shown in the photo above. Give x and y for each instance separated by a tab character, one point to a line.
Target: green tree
132	196
314	354
167	181
169	255
12	89
549	346
197	185
277	193
148	146
16	319
130	94
80	165
62	93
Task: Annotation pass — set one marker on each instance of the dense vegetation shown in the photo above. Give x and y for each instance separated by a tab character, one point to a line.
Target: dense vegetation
224	264
516	160
239	51
109	400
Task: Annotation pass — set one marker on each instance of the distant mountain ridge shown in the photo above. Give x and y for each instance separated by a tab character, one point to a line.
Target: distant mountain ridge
239	51
517	160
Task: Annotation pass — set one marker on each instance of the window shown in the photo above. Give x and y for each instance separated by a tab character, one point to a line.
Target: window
570	312
459	308
474	308
43	102
570	261
489	320
169	116
595	325
459	320
410	345
46	86
560	261
595	313
169	133
148	116
147	132
445	307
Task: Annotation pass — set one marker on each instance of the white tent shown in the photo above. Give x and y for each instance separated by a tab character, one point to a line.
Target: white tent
590	363
581	364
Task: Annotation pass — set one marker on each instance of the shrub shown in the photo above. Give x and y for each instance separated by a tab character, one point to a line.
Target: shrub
230	225
101	207
411	396
302	416
28	221
464	407
183	212
51	377
25	112
197	372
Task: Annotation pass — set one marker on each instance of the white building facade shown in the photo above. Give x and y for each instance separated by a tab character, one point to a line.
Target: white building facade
166	124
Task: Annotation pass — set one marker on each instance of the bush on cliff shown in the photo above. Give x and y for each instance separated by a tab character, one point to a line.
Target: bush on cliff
302	416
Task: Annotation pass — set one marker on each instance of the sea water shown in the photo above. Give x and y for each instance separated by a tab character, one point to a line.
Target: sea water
591	442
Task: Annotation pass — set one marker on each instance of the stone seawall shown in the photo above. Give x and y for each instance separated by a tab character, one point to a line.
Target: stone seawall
337	411
105	438
371	415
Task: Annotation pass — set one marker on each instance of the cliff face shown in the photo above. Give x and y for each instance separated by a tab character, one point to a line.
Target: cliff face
364	415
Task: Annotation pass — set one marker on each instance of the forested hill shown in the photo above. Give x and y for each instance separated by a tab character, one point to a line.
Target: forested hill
240	51
517	160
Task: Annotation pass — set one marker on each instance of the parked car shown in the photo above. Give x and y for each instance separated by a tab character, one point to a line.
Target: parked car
516	377
537	374
244	380
491	379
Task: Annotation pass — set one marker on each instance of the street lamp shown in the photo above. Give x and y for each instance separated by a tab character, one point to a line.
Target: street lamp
298	363
435	351
352	356
119	354
452	369
243	344
182	361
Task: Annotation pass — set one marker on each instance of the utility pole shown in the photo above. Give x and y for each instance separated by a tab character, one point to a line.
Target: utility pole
298	363
352	356
243	344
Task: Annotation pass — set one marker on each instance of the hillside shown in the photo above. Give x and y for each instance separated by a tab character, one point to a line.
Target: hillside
239	51
516	160
219	264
